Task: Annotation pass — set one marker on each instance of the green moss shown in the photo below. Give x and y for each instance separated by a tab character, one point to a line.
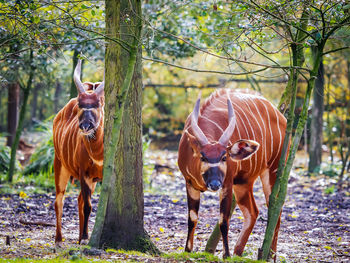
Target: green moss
144	244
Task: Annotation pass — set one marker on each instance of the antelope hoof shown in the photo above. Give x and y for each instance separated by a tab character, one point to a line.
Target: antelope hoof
84	242
226	255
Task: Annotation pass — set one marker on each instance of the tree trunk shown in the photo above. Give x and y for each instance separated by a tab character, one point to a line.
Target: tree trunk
119	220
34	107
26	92
12	111
315	148
58	91
279	190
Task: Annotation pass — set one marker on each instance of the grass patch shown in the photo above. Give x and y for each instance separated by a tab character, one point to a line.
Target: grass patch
205	257
40	183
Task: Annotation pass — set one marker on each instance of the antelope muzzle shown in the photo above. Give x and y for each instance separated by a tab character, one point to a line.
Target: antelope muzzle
87	122
213	178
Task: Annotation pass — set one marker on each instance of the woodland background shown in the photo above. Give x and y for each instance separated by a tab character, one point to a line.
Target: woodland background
187	46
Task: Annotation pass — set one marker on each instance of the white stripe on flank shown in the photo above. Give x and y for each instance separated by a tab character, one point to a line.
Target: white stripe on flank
269	121
265	131
251	129
256	120
239	133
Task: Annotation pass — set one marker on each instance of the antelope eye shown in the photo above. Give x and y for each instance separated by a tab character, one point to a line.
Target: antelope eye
223	159
203	159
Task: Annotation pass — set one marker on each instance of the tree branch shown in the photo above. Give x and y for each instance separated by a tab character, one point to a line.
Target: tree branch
202	70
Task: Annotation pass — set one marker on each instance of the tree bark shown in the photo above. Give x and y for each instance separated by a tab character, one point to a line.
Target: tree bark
34	103
12	111
26	92
119	220
279	190
315	148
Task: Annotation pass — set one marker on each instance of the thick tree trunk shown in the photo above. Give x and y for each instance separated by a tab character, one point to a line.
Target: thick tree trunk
119	220
315	148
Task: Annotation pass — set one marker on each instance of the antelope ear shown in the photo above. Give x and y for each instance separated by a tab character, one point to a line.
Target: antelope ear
243	149
194	143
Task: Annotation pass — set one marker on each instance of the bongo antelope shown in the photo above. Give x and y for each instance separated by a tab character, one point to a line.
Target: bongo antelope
227	143
78	143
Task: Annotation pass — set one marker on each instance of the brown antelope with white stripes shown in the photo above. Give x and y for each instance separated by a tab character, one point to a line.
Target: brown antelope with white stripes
78	143
227	143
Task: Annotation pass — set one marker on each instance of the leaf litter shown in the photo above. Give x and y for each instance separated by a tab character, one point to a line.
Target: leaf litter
315	226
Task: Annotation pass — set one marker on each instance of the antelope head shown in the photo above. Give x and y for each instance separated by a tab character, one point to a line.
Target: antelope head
213	156
90	105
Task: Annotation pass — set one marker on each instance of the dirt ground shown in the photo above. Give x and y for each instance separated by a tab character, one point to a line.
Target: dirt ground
315	225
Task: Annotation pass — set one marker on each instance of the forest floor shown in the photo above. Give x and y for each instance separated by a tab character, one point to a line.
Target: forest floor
315	220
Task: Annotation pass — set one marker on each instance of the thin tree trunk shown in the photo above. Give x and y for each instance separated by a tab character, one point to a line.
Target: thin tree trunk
315	148
58	91
12	111
119	219
26	92
34	104
2	125
279	190
329	126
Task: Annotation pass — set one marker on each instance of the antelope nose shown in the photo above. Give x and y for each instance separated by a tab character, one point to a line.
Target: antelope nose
85	126
214	185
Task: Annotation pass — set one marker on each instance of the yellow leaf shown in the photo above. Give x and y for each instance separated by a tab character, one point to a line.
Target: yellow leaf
175	201
306	232
240	217
328	247
207	225
339	239
292	216
180	248
28	239
23	195
161	229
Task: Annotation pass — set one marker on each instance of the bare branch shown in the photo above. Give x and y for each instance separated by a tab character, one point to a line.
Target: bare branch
202	70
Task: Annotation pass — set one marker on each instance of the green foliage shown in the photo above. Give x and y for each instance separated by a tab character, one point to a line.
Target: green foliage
329	190
42	159
4	158
331	170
